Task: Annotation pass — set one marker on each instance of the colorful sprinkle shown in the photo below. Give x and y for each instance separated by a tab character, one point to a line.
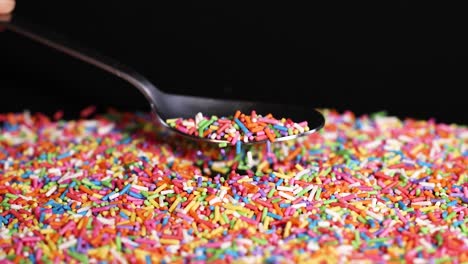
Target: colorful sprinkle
110	189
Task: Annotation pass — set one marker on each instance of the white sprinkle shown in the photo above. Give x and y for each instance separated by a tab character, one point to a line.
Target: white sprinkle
83	209
51	191
139	187
298	127
118	256
55	171
299	205
284	188
68	244
106	221
244	241
422	203
16	206
128	241
334	214
222	193
345	249
286	196
161	201
312	193
188	124
225	245
68	176
301	173
113	196
427	184
356	184
166	192
415	174
323	224
298	190
103	130
312	246
374	215
215	200
198	118
250	162
173	249
420	261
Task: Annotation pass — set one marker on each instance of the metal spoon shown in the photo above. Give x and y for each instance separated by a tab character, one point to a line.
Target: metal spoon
163	105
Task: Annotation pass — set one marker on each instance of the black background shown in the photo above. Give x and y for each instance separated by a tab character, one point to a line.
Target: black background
407	58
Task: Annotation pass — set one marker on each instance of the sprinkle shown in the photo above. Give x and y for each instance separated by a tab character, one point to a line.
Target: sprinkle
363	189
239	127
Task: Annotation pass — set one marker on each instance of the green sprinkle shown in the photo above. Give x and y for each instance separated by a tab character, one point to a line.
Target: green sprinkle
80	257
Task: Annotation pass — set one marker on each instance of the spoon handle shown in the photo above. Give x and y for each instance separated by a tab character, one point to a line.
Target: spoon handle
63	45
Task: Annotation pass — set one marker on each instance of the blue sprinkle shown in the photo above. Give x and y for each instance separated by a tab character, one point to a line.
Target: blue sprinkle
148	259
275	216
279	182
63	194
282	128
241	125
125	189
123	215
424	164
106	197
64	155
452	203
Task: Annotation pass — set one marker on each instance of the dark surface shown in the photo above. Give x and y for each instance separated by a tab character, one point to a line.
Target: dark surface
408	59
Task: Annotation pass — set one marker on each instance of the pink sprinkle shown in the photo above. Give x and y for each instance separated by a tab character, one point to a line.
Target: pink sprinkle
248	220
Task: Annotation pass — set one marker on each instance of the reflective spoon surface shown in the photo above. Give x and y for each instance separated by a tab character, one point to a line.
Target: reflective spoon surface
164	105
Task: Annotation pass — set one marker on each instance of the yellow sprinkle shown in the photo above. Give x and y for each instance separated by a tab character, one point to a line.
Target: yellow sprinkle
217	214
189	206
299	167
266	223
133	217
47	231
417	149
160	188
195	228
126	222
174	204
262	165
236	208
287	229
13	223
45	248
284	176
317	180
245	179
429	208
154	203
141	253
168	241
394	160
216	232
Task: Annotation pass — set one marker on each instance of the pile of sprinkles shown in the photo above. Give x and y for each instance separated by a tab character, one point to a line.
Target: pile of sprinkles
238	129
111	189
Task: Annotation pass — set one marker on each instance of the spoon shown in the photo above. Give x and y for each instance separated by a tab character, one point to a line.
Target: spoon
166	106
